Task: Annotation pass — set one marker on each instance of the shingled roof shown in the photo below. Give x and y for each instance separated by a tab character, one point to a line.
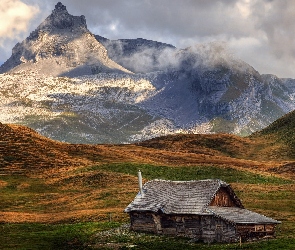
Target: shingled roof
240	216
178	197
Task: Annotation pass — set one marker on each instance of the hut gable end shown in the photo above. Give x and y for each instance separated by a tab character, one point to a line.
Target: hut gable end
225	197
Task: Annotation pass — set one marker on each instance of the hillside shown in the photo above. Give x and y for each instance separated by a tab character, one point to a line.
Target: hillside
44	181
25	151
281	129
281	133
255	148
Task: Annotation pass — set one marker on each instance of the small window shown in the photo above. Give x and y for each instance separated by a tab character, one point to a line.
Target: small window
269	228
259	228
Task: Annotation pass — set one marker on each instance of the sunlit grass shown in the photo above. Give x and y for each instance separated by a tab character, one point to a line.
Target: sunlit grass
185	173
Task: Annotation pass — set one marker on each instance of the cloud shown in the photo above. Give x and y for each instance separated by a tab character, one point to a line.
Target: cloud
276	19
15	16
164	18
15	20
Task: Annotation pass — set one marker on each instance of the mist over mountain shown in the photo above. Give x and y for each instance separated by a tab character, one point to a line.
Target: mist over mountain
120	91
139	55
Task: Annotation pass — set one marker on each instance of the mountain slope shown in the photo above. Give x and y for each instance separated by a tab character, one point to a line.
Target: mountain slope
90	109
211	88
61	45
198	95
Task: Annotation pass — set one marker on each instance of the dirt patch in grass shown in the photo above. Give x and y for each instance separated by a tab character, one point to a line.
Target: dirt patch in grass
3	184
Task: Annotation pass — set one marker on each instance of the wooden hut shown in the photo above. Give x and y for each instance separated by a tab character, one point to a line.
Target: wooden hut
206	210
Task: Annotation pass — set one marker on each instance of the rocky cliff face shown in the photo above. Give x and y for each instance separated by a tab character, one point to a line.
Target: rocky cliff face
61	46
123	108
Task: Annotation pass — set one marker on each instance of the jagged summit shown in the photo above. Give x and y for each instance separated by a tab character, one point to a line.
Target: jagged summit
61	46
61	19
59	7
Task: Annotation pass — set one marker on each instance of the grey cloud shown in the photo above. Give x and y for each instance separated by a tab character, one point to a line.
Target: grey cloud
168	17
189	17
276	19
184	23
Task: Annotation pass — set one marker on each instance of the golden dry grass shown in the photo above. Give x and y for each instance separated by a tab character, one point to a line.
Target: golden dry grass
68	190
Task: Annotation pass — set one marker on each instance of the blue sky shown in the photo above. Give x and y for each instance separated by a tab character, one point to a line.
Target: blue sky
258	31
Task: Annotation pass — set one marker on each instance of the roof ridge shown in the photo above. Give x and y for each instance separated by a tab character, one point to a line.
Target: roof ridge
163	180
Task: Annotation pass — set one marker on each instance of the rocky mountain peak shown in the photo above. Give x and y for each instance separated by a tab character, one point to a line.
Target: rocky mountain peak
61	46
61	19
60	7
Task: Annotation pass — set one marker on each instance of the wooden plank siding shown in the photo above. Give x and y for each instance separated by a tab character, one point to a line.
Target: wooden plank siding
205	228
217	230
143	222
255	231
223	199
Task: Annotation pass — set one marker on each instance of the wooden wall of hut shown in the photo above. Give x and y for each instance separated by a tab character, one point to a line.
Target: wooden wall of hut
217	230
252	231
223	199
204	228
143	222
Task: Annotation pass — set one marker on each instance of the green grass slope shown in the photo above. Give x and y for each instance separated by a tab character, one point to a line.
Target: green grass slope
64	196
282	131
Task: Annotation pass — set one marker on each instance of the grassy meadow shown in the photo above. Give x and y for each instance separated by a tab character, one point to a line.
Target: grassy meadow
83	209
